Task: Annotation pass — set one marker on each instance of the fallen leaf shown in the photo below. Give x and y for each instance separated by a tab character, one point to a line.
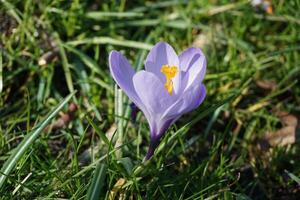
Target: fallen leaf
118	185
266	84
287	119
282	137
48	56
64	119
286	135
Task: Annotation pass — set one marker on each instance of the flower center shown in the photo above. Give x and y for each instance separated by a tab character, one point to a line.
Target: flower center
170	72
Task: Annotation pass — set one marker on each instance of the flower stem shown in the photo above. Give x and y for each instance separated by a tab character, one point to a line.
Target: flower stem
151	150
149	153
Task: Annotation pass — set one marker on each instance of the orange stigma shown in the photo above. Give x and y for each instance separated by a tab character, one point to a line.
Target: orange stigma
170	72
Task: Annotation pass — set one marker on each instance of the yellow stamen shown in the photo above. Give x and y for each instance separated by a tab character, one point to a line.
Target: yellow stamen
170	72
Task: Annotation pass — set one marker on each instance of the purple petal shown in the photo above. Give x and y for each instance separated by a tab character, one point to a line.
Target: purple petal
188	57
194	97
122	72
190	100
177	82
193	63
163	54
153	95
152	92
156	134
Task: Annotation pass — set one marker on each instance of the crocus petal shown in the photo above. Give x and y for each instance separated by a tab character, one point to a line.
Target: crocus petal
188	57
152	92
122	72
193	63
190	100
195	97
150	89
177	82
163	54
153	95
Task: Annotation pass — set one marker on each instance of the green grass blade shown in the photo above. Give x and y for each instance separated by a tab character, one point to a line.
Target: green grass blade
186	127
112	41
19	151
97	182
293	176
99	132
11	10
65	65
99	15
211	108
86	60
1	67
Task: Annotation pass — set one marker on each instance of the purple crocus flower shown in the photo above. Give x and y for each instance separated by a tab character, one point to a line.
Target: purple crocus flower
169	86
